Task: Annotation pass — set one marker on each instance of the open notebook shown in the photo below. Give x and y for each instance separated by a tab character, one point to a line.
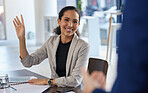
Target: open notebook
20	80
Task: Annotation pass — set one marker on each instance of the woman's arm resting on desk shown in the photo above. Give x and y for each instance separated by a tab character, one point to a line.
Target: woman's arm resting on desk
38	81
41	81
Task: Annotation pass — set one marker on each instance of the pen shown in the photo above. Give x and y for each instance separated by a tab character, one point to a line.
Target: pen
13	88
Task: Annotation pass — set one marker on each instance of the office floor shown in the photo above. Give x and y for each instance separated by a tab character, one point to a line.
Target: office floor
9	60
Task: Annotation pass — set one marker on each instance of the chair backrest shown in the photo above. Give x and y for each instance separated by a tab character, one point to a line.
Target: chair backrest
96	64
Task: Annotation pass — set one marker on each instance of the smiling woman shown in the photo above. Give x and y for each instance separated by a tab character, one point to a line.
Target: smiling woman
68	24
68	17
66	52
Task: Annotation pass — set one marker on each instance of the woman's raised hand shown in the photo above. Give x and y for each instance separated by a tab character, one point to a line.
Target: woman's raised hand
19	27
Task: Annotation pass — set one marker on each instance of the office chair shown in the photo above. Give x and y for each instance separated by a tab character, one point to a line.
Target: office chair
96	64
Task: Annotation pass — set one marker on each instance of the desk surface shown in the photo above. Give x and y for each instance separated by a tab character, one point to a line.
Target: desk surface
24	72
54	89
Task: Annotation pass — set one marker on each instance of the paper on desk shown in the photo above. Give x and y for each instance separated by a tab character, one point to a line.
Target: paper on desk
25	88
21	79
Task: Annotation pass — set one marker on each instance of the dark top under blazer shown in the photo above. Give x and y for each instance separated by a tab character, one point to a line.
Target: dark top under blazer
61	57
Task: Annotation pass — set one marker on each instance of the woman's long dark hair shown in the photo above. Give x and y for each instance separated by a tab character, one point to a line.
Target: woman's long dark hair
61	13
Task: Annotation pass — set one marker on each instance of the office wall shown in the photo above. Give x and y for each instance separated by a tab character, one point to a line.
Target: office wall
71	2
43	8
33	12
17	7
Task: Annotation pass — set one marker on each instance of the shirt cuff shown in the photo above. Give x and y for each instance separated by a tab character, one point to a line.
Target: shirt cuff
22	60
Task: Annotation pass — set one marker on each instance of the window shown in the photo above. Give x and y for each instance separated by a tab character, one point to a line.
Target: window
2	21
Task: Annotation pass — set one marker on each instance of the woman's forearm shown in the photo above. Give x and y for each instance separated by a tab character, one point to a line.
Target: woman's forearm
23	50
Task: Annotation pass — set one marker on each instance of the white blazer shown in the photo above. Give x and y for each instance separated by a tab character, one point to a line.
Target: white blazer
78	55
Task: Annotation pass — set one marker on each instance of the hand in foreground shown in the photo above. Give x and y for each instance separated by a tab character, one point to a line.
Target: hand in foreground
91	82
38	81
99	77
19	27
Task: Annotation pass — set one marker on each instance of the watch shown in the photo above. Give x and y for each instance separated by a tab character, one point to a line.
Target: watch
50	81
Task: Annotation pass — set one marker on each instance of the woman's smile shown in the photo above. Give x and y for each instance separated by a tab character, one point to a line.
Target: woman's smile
69	29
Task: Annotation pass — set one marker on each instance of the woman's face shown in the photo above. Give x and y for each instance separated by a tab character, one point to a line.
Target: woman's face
69	23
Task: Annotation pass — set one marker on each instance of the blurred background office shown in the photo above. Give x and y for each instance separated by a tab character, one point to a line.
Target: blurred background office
40	18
